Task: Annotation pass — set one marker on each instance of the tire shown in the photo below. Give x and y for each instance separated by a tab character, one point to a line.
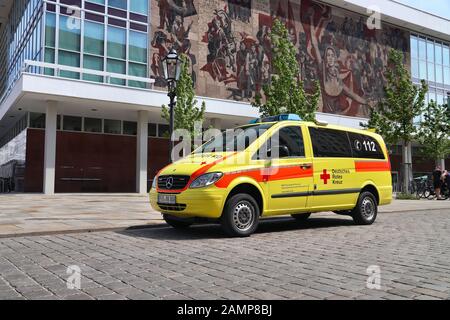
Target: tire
301	217
366	210
240	217
177	223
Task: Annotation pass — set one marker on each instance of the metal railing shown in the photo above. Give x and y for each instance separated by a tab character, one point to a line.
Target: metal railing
107	76
82	71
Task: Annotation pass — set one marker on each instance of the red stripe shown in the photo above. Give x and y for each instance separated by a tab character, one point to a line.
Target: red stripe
264	175
372	166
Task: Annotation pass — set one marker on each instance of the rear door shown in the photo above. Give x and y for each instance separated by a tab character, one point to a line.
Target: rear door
291	174
335	186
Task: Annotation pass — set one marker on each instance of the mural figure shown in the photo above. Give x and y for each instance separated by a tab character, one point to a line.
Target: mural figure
338	91
333	46
221	58
173	32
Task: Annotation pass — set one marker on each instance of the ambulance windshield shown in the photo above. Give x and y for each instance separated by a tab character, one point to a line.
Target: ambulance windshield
234	140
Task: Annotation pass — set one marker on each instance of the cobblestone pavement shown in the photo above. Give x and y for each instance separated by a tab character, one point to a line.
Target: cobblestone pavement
325	258
36	214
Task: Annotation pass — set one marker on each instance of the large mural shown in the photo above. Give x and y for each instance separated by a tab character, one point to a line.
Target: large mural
228	44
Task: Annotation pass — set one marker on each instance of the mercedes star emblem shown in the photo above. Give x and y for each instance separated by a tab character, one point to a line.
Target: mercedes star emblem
169	183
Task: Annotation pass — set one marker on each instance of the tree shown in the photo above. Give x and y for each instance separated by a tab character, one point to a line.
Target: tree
394	116
285	92
434	133
186	111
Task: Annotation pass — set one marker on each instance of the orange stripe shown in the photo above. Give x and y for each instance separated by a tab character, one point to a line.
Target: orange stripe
372	166
265	175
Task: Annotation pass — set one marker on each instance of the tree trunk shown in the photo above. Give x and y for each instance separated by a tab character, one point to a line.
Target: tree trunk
406	167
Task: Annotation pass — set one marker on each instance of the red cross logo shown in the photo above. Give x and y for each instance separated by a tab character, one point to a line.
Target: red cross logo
325	176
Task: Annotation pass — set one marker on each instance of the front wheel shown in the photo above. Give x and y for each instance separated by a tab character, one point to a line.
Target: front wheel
365	212
177	223
240	217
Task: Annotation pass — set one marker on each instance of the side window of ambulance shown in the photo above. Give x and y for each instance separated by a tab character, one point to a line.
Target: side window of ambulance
292	138
328	143
365	147
290	145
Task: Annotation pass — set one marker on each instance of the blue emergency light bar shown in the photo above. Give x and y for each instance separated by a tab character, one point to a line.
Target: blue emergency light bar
281	117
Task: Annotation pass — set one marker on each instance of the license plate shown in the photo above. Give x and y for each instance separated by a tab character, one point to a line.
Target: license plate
167	199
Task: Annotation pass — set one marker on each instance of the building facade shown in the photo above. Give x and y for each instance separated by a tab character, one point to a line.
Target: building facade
81	84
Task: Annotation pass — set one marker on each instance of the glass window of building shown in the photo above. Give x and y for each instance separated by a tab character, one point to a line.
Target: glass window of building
139	6
92	125
71	123
163	130
138	47
37	120
121	4
97	1
130	128
94	38
117	40
446	55
69	33
70	59
430	51
116	66
137	70
94	63
49	57
112	126
50	30
414	47
152	130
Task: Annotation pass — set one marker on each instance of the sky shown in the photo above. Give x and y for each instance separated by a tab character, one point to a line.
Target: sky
437	7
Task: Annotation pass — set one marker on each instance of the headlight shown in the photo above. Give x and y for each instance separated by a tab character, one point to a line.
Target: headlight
206	180
155	182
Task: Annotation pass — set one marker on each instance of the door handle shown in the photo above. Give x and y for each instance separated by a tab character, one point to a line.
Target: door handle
305	166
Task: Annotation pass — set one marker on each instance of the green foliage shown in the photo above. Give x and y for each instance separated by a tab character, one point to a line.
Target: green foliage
403	101
285	93
434	133
186	110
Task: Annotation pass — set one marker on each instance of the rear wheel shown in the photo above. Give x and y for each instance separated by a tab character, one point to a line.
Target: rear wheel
177	223
365	212
301	217
240	217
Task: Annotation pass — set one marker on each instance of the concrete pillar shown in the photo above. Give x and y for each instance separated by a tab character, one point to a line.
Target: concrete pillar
142	152
50	147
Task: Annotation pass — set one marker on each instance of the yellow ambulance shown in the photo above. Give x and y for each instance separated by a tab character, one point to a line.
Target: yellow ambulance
276	166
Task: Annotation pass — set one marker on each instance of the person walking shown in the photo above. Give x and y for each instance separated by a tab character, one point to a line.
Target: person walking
437	173
445	184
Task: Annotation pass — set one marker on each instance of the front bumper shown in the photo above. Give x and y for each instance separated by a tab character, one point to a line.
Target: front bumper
202	203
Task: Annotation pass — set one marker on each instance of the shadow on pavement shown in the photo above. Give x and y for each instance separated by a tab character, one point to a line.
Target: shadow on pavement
213	231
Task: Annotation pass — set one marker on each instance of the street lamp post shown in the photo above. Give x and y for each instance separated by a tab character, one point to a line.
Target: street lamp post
172	69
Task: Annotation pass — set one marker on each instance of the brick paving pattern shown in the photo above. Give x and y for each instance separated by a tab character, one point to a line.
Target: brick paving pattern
324	258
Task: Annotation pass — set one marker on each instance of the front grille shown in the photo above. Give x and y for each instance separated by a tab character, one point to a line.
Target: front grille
175	182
